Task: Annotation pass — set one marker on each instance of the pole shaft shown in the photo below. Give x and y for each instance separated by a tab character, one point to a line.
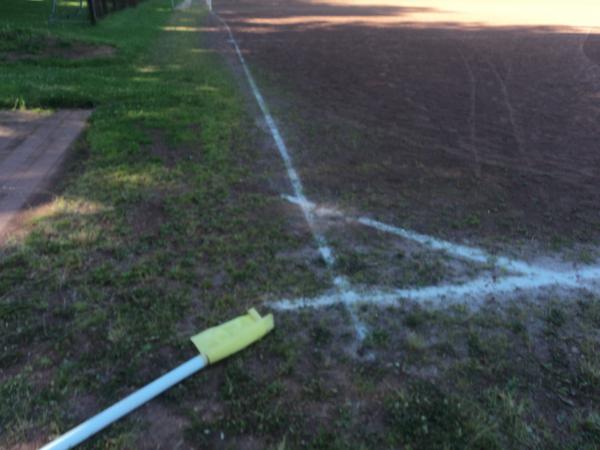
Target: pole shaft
91	426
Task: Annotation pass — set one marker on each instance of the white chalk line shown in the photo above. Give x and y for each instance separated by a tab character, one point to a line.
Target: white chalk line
458	250
472	293
531	277
325	250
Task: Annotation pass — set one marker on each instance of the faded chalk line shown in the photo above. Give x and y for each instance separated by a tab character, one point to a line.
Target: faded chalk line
472	293
472	113
456	250
529	276
325	250
519	275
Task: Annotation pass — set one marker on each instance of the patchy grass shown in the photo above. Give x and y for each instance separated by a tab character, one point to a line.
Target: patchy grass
369	257
457	379
159	228
163	226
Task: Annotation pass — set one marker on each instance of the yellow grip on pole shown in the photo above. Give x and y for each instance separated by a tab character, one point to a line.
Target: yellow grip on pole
226	339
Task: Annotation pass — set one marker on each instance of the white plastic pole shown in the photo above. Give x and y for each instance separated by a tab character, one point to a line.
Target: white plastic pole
91	426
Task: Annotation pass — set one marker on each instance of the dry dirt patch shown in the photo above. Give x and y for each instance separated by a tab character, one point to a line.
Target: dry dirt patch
483	132
58	49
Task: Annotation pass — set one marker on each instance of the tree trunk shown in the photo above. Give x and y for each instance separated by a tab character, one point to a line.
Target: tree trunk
92	12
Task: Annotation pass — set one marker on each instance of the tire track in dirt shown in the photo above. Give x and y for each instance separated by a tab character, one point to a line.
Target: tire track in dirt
398	116
582	49
591	71
515	127
472	114
581	68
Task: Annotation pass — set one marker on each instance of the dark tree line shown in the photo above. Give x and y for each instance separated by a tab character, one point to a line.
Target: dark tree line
100	8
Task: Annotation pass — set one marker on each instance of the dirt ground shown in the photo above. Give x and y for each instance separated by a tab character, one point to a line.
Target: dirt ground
434	119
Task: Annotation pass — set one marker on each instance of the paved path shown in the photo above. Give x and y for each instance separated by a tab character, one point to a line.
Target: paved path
32	146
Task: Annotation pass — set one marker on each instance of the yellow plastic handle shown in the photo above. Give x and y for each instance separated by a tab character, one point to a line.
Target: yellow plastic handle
226	339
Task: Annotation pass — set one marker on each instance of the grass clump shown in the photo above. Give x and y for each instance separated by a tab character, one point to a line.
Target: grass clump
423	416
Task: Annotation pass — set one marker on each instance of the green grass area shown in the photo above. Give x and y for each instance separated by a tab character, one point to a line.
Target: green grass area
54	82
159	229
163	224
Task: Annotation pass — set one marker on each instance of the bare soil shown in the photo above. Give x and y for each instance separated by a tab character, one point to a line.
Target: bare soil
56	49
464	131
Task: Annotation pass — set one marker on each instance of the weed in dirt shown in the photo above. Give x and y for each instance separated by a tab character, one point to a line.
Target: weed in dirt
555	318
422	416
377	338
589	429
351	263
417	317
242	393
415	342
321	335
589	367
382	266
